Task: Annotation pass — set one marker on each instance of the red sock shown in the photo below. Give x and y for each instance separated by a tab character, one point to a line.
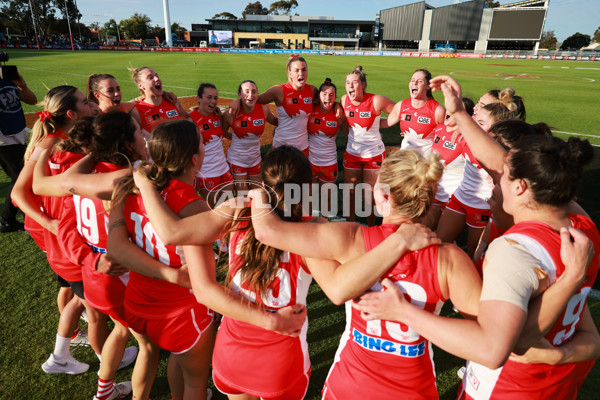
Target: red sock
105	388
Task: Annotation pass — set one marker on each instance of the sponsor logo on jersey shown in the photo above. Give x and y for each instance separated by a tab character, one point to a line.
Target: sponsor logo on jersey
244	124
258	122
365	114
449	145
380	345
205	127
217	124
295	101
155	117
332	124
436	140
172	113
308	100
424	120
407	117
317	121
351	114
472	379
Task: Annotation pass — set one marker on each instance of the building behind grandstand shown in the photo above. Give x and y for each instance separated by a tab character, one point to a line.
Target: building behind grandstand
466	26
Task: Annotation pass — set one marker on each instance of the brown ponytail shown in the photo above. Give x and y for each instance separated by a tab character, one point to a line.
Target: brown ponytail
259	263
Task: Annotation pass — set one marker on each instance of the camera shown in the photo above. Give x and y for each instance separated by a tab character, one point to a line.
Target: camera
7	72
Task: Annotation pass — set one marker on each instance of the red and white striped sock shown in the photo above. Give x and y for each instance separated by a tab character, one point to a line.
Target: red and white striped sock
105	388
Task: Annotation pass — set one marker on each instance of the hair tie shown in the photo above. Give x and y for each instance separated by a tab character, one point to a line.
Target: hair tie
44	115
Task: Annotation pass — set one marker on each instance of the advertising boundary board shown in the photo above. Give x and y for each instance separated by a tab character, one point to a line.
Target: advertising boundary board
373	53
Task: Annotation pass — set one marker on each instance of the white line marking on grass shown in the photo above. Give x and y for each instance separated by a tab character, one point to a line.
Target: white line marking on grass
221	97
180	87
540	78
187	88
85	76
524	75
580	134
595	69
56	72
577	134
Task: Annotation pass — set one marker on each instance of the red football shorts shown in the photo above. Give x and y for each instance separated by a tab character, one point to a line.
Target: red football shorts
476	217
353	162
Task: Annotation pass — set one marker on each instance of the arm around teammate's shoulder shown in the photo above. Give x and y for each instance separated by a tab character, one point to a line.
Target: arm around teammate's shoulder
271	118
349	280
383	104
328	240
273	94
440	114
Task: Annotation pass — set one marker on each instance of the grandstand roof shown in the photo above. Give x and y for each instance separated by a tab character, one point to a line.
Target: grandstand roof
526	3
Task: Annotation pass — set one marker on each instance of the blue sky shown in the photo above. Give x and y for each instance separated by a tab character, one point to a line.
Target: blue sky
565	17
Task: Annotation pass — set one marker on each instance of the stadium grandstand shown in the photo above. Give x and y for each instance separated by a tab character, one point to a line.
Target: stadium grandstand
464	26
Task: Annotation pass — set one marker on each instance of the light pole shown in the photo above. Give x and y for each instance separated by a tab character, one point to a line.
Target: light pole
168	37
78	22
69	24
37	40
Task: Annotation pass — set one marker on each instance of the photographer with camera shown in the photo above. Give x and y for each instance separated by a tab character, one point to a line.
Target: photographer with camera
13	136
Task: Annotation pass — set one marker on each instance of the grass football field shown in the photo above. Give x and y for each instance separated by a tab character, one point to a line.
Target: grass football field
562	94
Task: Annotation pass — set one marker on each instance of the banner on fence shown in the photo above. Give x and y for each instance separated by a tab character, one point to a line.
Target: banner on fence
372	53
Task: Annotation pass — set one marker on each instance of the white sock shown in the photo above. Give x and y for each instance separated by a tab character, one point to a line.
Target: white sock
61	346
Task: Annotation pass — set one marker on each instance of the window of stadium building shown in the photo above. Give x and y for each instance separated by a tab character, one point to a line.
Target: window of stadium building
299	28
274	44
328	30
281	27
221	25
250	27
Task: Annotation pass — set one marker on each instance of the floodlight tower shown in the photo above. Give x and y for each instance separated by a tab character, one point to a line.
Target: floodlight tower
167	23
